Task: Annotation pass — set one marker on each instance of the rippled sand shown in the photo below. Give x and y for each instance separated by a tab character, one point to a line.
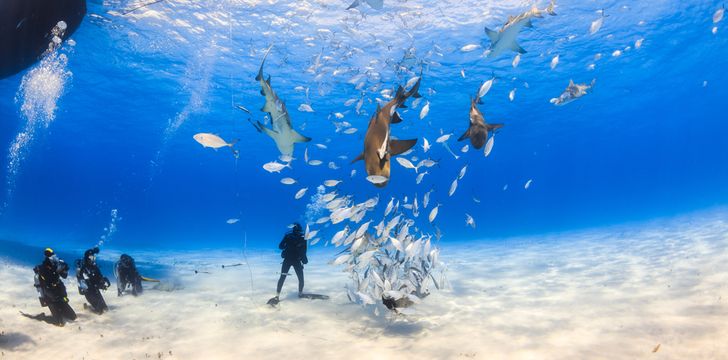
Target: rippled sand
610	293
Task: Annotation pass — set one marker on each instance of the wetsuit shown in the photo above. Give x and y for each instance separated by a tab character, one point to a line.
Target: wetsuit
127	274
294	254
52	290
91	282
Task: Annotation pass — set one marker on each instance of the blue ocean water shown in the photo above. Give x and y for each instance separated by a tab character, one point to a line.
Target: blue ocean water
647	142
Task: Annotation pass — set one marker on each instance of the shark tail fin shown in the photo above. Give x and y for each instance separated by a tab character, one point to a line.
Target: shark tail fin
300	138
260	71
492	35
594	81
397	147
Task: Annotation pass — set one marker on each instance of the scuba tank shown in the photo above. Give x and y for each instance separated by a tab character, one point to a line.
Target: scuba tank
82	285
39	288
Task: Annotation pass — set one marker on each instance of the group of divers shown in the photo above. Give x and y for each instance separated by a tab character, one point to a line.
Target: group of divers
52	292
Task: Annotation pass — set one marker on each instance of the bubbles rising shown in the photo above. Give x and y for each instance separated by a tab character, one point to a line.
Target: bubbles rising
38	96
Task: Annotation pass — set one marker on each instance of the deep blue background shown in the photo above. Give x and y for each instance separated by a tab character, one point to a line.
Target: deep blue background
649	141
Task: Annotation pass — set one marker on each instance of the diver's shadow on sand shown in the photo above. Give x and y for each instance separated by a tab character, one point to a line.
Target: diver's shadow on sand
403	328
10	341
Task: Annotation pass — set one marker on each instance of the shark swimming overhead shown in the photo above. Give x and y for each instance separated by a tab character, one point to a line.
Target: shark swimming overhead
506	37
478	129
572	92
379	147
281	130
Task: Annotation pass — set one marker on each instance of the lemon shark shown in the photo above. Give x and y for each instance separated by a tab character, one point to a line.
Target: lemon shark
281	130
478	129
506	38
379	147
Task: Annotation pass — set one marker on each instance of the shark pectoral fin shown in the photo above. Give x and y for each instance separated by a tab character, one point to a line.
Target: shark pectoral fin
360	157
492	35
396	119
397	147
517	48
493	127
299	138
465	135
270	132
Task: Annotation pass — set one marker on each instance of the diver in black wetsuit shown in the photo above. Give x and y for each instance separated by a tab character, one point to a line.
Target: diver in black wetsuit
91	282
293	254
52	291
127	275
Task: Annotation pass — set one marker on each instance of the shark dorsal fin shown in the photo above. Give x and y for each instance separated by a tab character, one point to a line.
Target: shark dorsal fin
571	82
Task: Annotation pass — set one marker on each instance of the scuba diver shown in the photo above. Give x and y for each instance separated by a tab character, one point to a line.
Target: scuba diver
293	254
91	281
127	276
52	291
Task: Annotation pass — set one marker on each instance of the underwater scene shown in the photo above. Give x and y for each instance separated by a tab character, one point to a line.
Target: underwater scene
363	179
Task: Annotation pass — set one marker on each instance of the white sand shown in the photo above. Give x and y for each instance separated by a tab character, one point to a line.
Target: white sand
613	293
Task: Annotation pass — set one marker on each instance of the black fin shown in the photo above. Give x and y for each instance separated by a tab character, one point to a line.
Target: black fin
397	147
396	119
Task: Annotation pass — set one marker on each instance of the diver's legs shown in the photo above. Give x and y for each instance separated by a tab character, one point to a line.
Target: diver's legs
137	286
56	312
299	274
284	270
68	312
93	296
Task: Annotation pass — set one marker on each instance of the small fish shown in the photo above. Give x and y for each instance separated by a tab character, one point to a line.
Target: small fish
462	172
286	158
528	184
305	155
469	221
465	148
420	177
389	208
350	131
305	108
469	47
332	183
554	62
274	166
433	213
425	110
315	162
406	163
505	187
596	25
426	163
489	146
425	145
516	61
638	43
321	146
617	53
717	17
377	179
333	166
241	107
288	181
426	199
212	141
476	200
443	138
300	193
353	172
453	187
411	82
342	259
512	94
232	221
485	88
462	73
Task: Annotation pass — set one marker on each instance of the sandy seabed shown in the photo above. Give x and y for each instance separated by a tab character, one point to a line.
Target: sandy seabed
609	293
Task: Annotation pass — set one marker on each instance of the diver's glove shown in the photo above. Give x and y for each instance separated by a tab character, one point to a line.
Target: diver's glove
107	283
305	260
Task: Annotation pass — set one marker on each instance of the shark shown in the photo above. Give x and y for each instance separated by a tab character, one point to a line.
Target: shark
281	130
379	147
572	92
506	38
478	129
